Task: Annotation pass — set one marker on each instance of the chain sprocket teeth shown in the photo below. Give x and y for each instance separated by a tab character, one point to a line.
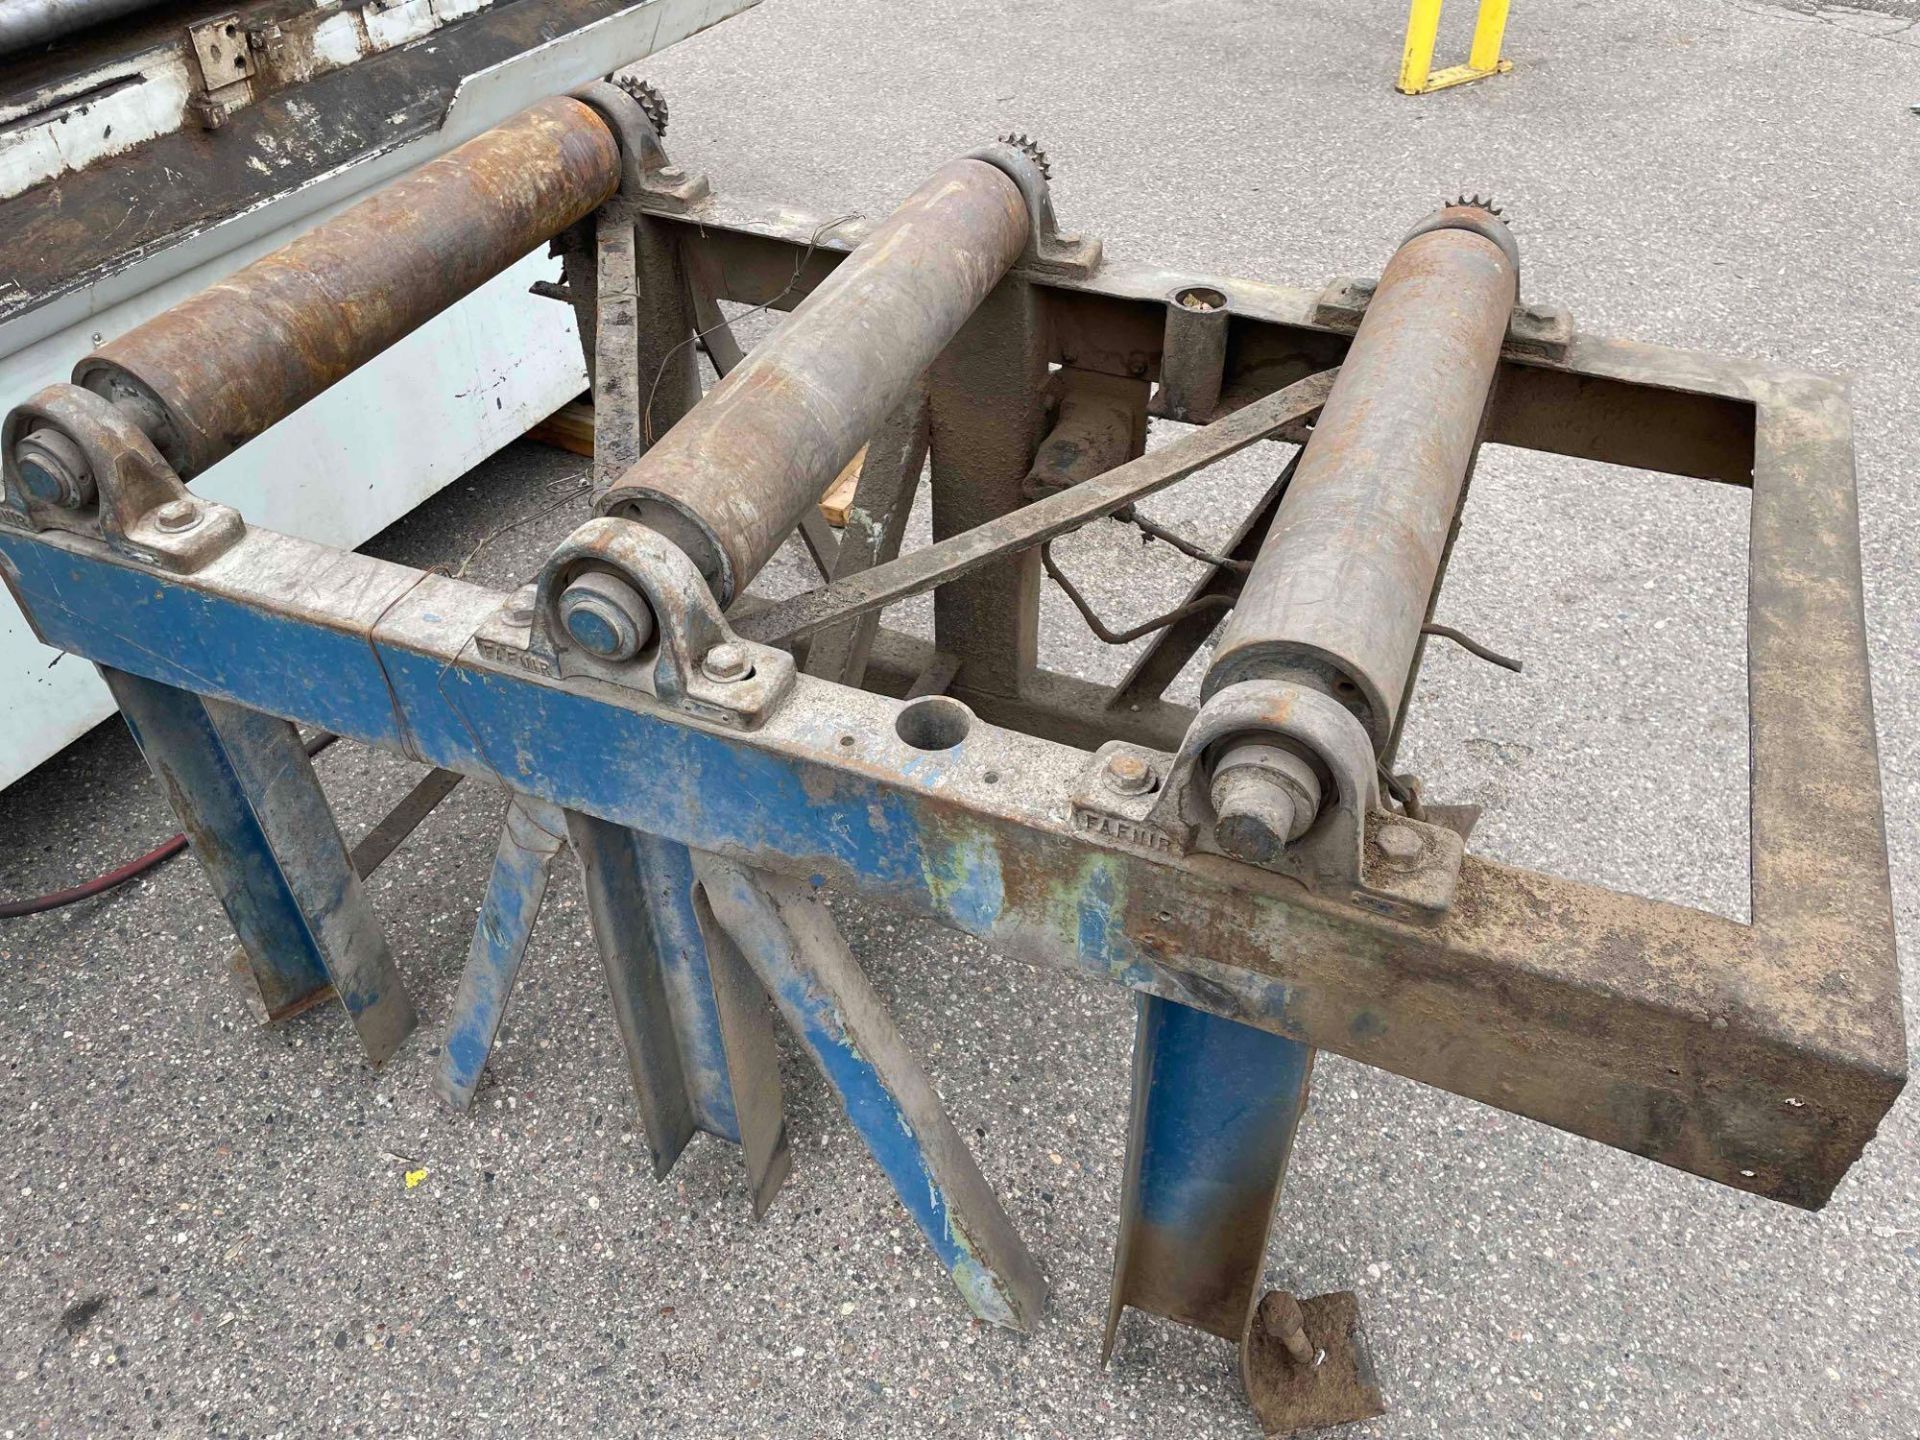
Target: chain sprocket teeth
652	103
1474	202
1030	147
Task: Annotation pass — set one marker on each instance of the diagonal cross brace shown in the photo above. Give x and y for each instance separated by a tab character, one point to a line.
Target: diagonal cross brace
788	938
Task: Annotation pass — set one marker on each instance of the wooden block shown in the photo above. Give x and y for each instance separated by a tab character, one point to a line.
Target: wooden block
839	497
568	428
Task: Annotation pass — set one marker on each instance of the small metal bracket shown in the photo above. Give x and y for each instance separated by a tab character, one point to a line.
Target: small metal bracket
1534	332
1355	849
225	61
1048	252
140	507
528	634
647	175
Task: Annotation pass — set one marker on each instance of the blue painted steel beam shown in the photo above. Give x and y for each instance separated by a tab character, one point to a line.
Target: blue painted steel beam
699	1042
786	935
531	836
1518	998
245	794
1215	1106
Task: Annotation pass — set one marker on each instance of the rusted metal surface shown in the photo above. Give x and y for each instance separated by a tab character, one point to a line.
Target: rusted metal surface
989	414
1748	1054
1342	584
1306	1366
1619	402
699	1044
1665	1031
1101	422
249	350
95	223
783	930
1193	354
244	791
1162	661
731	480
1211	1123
1021	530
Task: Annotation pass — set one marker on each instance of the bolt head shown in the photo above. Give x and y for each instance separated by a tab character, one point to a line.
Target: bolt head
606	617
726	662
176	516
1128	774
1399	844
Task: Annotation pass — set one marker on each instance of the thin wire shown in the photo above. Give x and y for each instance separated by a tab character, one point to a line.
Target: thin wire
409	745
1145	627
799	266
527	519
1472	646
1185	546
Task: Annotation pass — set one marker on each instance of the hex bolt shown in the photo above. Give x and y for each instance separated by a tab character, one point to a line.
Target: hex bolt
1400	845
53	470
1264	798
1128	774
176	516
726	662
1283	1318
606	617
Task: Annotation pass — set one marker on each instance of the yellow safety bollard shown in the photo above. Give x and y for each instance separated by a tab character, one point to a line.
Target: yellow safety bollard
1423	24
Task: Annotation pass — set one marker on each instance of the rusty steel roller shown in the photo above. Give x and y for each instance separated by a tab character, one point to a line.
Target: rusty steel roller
729	482
1340	587
212	372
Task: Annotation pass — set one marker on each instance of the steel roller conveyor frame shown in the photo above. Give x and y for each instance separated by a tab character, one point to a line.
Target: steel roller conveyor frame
711	787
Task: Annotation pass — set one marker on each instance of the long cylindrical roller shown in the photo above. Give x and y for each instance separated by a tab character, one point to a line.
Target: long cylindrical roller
1340	588
730	481
212	372
27	23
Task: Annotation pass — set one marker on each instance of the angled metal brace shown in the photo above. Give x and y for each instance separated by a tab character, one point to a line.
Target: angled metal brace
531	837
245	793
788	938
698	1038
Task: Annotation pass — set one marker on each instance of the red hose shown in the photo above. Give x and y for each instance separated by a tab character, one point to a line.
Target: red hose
12	909
100	884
